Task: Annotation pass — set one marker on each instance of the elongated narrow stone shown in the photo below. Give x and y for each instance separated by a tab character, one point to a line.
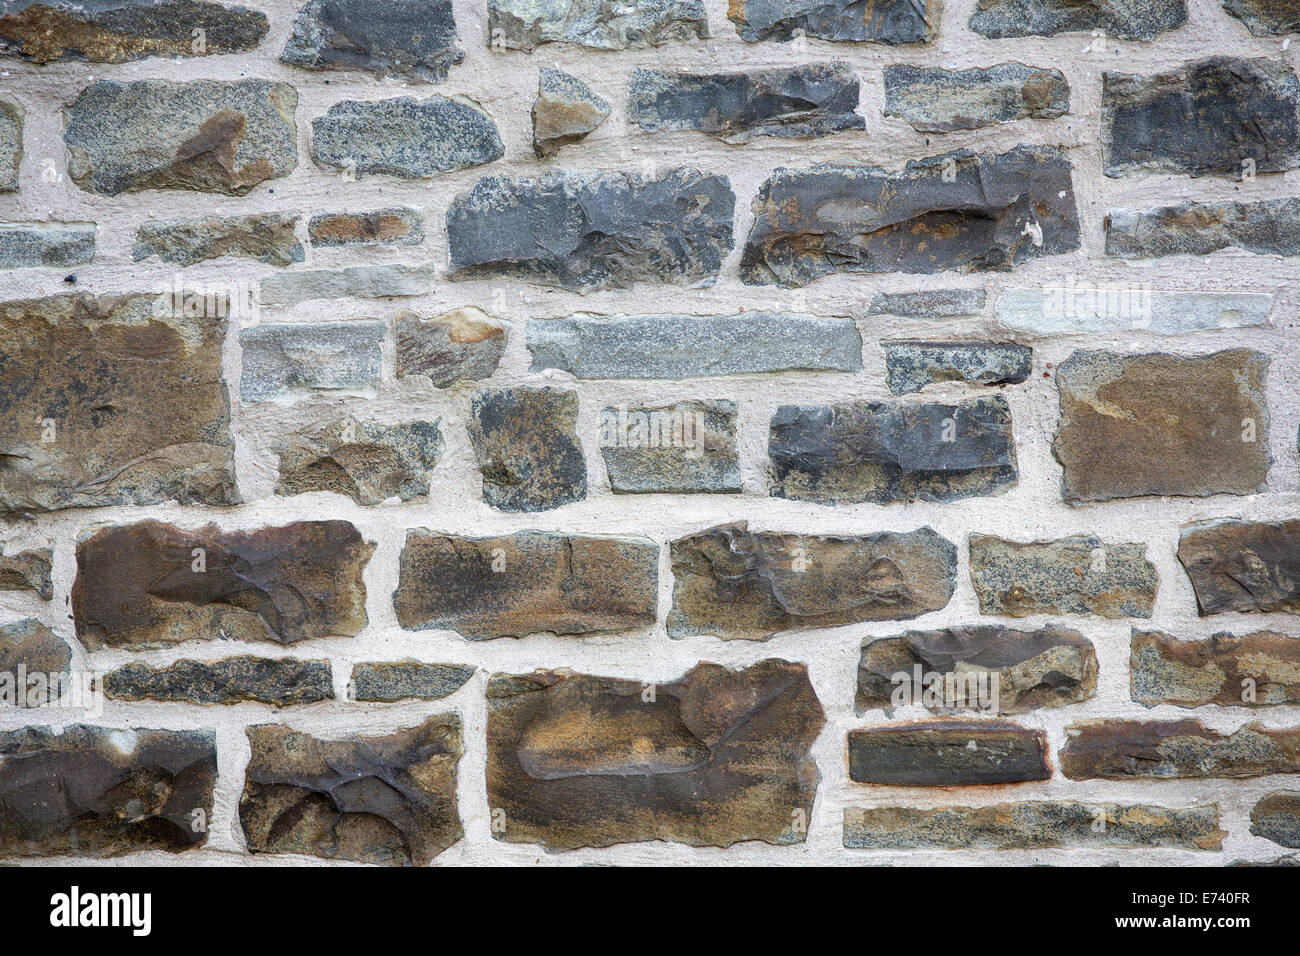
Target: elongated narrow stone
912	365
279	681
1243	566
940	101
929	303
1266	227
947	753
892	22
262	237
363	282
407	679
407	39
1247	671
1125	307
11	142
1128	21
527	24
48	245
394	226
1162	750
366	461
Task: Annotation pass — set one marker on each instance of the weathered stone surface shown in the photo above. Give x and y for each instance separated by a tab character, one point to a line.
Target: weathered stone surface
962	211
729	582
589	231
109	400
282	361
1277	817
1266	17
205	135
527	24
947	753
1032	826
1159	750
1143	20
385	799
714	758
1075	310
1267	227
27	571
803	102
405	39
463	345
887	21
389	681
361	282
11	143
1205	119
934	100
97	792
986	667
365	461
911	365
883	452
33	661
280	681
527	583
50	245
690	346
265	237
526	443
114	31
1076	575
929	303
404	137
681	448
565	111
1252	670
152	584
1161	424
1243	565
396	226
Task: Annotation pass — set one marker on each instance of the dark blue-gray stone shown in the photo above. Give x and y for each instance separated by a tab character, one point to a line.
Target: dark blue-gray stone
279	681
35	245
1266	227
399	680
912	365
892	22
1266	17
1128	20
407	39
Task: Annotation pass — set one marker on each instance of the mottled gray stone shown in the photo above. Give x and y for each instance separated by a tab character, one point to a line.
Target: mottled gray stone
361	282
115	31
801	102
884	21
205	135
11	143
934	100
961	211
280	681
1254	670
929	303
884	452
526	24
34	664
404	137
389	681
463	345
526	442
281	361
1126	19
1175	749
1266	17
590	231
395	226
1267	227
1076	575
1128	307
404	39
947	753
565	111
27	571
690	346
1276	817
365	461
1243	566
1207	118
264	237
912	365
49	245
682	448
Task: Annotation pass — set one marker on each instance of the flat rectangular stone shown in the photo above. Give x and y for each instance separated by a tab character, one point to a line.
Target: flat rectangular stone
1164	750
393	226
1267	227
527	583
262	237
595	24
1253	670
278	681
674	449
892	22
947	753
362	282
286	361
929	303
999	19
693	346
1242	566
940	101
389	681
1072	310
714	758
911	365
414	40
46	245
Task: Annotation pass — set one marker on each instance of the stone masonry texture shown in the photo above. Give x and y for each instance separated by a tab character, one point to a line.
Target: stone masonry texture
654	432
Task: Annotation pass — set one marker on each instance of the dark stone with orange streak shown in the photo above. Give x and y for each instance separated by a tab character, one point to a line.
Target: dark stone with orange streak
1249	671
526	583
396	226
733	583
1162	750
386	799
1267	227
714	758
459	346
526	442
152	585
27	571
947	753
1243	566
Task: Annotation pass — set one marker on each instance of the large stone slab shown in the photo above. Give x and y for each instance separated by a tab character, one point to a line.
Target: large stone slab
947	753
463	345
565	111
714	758
589	231
1162	424
109	401
527	24
892	22
911	365
1243	566
379	281
205	135
526	583
46	245
366	461
729	582
285	361
885	452
262	237
1248	671
1164	750
935	100
152	584
961	211
278	681
387	799
404	39
672	449
1223	116
1122	307
525	440
929	303
1265	17
1266	227
1141	20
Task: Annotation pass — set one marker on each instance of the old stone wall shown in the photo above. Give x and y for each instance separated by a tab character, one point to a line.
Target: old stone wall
490	431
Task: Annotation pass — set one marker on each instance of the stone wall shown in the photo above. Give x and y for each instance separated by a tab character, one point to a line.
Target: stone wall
679	432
